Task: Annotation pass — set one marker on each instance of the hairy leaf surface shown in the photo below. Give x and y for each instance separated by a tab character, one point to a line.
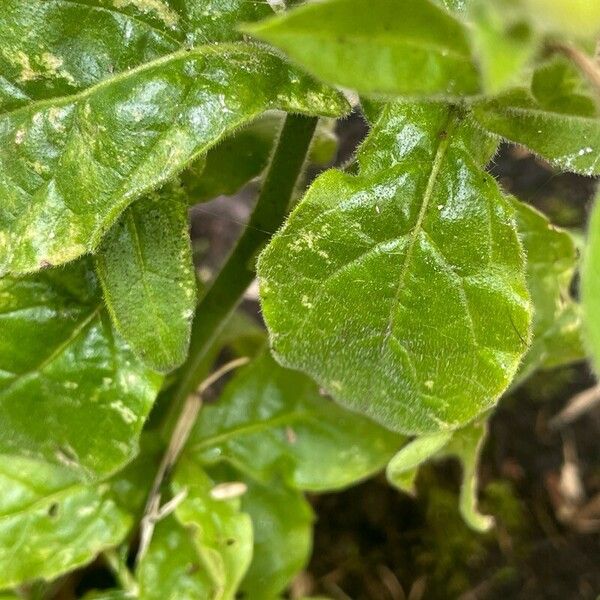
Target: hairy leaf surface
379	47
556	119
148	278
551	263
71	391
590	286
54	48
272	422
70	166
402	290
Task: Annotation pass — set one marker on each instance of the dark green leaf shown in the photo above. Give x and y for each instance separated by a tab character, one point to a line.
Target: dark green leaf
551	263
145	267
70	166
273	422
282	521
590	286
402	290
556	120
71	391
377	47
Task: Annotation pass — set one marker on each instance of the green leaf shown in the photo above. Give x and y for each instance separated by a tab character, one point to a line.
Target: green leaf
272	422
402	290
504	44
377	46
466	445
222	533
235	161
551	263
590	286
172	569
556	119
204	550
402	469
71	392
245	155
51	522
145	267
52	49
70	166
282	520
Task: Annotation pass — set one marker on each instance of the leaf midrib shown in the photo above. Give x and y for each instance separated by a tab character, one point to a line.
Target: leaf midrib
221	48
418	226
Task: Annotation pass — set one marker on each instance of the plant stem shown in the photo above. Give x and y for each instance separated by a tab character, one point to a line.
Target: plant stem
234	278
588	66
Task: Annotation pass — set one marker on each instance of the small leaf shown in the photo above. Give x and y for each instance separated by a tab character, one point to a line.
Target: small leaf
556	120
401	470
71	392
282	521
590	286
70	166
172	568
551	262
204	550
272	422
402	290
377	46
466	445
504	44
51	522
145	267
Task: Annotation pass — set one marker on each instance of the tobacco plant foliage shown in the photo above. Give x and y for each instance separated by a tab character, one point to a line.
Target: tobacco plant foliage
402	296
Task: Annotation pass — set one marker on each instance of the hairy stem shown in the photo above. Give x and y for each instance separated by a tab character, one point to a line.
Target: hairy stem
234	278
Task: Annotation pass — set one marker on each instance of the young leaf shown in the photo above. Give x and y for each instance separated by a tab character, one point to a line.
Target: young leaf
282	521
402	469
70	166
466	445
551	263
377	47
145	267
271	422
556	120
590	286
504	44
402	290
172	569
51	522
71	391
204	550
221	532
